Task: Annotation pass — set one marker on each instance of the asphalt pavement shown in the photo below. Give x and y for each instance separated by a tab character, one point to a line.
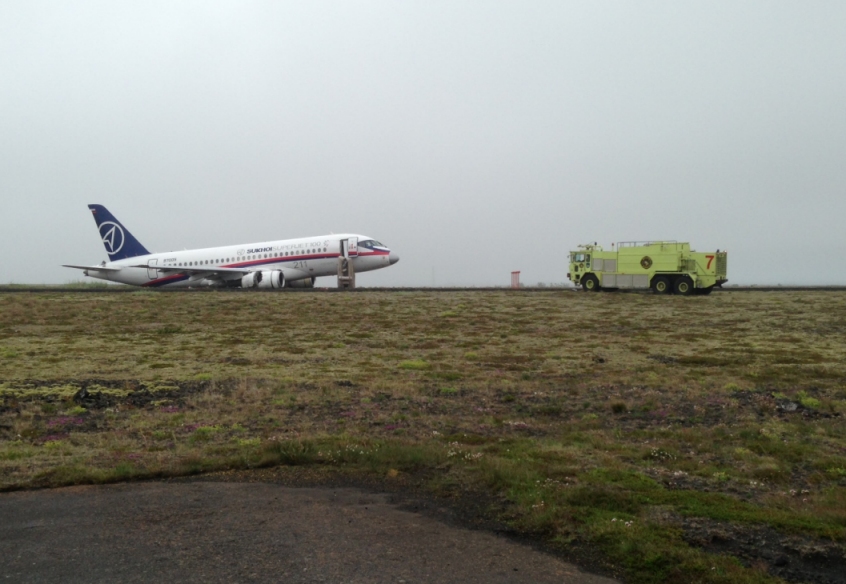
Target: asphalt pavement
251	532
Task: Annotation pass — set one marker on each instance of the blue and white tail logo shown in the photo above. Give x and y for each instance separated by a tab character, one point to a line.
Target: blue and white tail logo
118	241
113	236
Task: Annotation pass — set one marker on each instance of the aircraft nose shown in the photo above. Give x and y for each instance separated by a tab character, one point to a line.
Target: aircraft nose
393	258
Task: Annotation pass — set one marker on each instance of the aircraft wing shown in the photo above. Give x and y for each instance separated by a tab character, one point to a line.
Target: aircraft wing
92	268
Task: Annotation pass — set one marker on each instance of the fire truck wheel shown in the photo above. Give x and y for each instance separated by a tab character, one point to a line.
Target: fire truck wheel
704	291
683	286
590	283
661	285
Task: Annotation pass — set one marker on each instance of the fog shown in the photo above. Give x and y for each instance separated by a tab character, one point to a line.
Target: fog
473	138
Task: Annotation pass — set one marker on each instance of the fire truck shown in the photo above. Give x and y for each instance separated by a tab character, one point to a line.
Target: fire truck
666	267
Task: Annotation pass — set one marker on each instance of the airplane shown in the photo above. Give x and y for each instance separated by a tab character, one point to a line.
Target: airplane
286	263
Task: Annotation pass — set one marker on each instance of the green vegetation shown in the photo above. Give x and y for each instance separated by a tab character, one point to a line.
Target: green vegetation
617	422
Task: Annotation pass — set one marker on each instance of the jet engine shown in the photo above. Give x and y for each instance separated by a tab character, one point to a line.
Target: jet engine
251	280
271	279
304	283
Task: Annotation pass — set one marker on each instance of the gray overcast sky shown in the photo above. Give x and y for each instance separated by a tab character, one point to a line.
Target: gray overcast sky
473	138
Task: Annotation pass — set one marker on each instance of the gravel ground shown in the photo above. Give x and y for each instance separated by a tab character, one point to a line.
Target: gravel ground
251	532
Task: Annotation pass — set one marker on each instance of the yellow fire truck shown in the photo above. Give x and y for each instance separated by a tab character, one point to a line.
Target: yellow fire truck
665	266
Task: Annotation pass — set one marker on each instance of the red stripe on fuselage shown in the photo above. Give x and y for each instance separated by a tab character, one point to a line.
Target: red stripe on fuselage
166	280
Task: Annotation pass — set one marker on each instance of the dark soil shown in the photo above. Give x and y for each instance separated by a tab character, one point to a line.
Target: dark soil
792	557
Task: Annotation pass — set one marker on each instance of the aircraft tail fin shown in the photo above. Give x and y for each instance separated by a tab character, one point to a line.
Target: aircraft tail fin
118	241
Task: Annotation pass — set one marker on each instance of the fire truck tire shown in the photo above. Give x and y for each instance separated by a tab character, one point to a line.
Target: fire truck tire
590	283
704	291
661	285
683	286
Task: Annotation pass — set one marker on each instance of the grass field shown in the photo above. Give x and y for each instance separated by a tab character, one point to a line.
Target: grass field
690	439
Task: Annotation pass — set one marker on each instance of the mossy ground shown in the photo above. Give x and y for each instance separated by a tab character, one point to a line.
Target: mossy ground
613	420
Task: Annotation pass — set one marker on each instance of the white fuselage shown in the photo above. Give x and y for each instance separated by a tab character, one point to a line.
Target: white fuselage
298	259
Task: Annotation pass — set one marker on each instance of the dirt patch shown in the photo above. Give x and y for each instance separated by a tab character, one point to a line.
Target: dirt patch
792	557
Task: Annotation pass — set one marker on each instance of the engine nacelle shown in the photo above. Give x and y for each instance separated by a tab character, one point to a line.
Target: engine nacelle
304	283
271	279
251	280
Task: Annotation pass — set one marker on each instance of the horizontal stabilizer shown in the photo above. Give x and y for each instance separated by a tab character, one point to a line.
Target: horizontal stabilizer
93	268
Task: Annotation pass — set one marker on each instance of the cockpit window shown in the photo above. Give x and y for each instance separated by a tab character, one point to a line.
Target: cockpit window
370	244
578	257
